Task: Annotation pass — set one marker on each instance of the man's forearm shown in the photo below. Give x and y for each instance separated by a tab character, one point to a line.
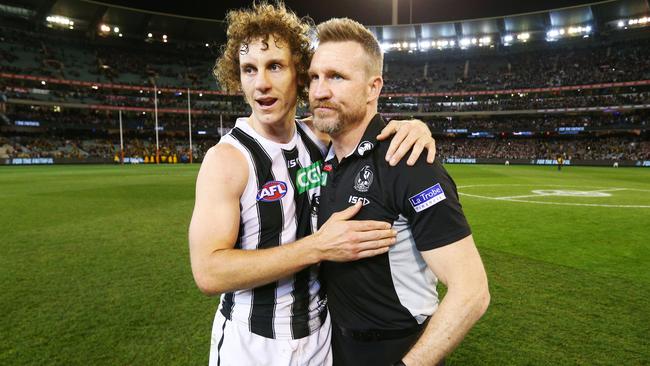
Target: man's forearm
226	270
456	315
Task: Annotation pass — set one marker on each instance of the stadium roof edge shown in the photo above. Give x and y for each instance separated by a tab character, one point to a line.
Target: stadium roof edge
122	7
498	16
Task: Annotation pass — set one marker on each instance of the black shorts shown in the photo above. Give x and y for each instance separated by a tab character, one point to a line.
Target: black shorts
348	351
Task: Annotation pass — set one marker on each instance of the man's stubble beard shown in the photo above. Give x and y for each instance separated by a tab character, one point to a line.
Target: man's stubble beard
342	121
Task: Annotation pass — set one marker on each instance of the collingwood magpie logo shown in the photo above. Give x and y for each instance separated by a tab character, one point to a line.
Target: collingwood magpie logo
363	179
364	146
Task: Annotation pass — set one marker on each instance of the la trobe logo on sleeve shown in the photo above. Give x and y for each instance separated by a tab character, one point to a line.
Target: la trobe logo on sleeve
427	198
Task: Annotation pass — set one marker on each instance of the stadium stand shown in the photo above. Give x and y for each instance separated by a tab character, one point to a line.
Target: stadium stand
586	98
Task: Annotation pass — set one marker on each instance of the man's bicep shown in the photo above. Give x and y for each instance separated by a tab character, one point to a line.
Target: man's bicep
456	263
215	220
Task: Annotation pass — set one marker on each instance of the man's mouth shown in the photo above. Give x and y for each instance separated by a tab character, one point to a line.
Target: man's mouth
323	108
266	102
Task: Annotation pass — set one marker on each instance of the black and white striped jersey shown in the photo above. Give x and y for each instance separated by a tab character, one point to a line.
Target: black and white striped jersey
277	208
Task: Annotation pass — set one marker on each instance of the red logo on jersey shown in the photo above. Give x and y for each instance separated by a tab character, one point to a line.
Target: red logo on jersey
272	191
327	167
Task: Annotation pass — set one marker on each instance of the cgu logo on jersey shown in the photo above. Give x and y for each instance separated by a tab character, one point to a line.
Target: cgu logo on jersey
310	177
272	191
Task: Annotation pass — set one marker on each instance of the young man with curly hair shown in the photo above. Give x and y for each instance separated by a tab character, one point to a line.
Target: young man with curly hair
252	235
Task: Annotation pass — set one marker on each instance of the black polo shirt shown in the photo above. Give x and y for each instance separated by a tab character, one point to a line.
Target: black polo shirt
395	290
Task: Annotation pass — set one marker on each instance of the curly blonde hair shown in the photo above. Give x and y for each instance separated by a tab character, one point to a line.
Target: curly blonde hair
262	21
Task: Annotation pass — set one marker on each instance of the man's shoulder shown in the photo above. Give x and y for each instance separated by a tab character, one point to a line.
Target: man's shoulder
225	155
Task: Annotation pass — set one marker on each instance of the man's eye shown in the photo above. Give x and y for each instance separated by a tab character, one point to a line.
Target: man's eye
249	70
337	77
276	67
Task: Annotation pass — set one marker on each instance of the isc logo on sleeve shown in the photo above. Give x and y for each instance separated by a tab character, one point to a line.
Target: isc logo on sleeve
272	191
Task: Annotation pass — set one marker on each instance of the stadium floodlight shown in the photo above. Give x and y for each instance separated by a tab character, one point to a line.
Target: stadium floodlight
465	42
621	24
413	45
485	40
60	20
508	38
95	87
104	28
474	40
149	35
43	82
452	43
405	44
116	29
120	34
523	36
200	94
553	33
587	29
165	40
164	36
207	45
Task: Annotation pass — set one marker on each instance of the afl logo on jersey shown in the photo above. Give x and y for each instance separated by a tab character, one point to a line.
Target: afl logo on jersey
272	191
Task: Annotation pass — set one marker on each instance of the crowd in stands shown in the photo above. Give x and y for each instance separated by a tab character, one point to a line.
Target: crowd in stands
180	65
107	149
544	122
553	66
612	148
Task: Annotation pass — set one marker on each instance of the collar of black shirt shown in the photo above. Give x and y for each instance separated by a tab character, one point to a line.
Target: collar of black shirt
367	143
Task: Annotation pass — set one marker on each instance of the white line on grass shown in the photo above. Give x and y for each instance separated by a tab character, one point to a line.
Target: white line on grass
553	203
518	198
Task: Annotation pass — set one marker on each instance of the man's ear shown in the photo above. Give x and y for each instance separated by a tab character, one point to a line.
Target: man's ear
375	85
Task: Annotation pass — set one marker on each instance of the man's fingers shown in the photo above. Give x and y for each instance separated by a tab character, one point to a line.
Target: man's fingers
403	149
391	128
373	236
373	252
431	154
415	153
395	143
348	213
367	225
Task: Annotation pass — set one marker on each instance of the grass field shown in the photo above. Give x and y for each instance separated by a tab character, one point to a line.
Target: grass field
94	266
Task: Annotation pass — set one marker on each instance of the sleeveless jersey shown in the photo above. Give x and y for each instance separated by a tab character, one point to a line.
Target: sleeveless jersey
278	207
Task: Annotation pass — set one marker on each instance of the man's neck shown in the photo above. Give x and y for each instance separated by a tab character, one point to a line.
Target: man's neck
279	131
347	140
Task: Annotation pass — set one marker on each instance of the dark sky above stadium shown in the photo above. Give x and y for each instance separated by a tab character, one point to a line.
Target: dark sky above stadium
369	12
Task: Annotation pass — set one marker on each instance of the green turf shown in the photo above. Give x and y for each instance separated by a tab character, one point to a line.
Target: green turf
94	267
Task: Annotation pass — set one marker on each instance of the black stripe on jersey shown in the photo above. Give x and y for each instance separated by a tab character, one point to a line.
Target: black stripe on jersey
314	152
300	293
223	333
228	301
271	223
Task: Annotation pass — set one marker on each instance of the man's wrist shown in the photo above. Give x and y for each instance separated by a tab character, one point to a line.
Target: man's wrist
314	255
